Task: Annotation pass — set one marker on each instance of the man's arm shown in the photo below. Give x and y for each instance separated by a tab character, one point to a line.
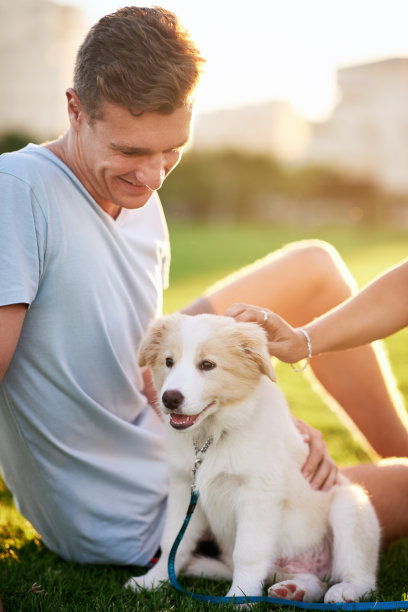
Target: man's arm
11	322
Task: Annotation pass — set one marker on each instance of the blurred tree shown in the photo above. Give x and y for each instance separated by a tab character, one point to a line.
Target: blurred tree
12	141
220	185
230	185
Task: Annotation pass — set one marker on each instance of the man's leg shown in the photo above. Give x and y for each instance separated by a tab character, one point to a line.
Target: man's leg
387	484
301	282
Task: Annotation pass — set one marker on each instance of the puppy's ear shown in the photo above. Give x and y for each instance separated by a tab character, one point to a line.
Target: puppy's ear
150	346
254	344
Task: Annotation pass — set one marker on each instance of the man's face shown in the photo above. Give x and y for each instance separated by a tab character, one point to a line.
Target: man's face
122	159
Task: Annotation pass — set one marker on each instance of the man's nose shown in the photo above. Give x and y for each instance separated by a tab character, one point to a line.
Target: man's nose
152	173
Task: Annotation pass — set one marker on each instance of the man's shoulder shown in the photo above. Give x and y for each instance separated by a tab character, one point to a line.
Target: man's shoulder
27	164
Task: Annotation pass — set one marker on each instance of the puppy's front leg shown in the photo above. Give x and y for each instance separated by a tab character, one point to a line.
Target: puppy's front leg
176	511
253	550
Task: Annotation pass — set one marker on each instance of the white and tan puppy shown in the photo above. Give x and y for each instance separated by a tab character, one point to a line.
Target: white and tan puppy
215	379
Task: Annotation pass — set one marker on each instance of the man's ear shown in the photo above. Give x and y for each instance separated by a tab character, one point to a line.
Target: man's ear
74	106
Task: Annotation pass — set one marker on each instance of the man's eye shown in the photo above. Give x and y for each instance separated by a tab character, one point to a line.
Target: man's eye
207	365
169	362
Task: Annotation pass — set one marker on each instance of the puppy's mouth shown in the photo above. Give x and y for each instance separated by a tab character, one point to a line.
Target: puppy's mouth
184	421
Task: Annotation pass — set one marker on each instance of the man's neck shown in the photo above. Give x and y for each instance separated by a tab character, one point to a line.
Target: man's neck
61	148
58	148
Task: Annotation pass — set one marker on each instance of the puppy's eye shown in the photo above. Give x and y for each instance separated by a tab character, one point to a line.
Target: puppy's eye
206	365
169	362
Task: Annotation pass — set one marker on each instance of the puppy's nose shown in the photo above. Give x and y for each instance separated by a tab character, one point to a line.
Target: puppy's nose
172	399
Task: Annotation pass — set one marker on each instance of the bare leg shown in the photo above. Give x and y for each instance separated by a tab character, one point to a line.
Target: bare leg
301	282
387	485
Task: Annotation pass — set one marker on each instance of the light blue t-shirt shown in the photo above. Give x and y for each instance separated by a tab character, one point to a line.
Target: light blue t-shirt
81	451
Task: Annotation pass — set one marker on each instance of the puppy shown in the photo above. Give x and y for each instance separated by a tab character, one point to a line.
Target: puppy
216	387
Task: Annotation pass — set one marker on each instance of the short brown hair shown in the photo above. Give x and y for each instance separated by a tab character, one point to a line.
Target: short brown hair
140	58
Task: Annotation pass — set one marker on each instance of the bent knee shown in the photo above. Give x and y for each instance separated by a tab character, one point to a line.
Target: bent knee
325	269
386	483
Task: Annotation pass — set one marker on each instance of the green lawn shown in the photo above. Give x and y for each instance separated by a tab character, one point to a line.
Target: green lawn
32	578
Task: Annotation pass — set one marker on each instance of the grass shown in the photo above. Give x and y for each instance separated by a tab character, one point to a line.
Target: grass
34	579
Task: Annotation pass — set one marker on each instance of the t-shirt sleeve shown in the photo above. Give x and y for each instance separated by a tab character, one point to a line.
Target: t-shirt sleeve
22	241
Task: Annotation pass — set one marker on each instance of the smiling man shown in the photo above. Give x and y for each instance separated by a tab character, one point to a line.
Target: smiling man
84	260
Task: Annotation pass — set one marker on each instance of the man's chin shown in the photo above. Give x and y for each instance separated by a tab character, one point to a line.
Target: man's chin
134	201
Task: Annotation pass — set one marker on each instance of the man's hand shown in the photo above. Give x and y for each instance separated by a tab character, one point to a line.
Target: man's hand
319	469
11	322
149	391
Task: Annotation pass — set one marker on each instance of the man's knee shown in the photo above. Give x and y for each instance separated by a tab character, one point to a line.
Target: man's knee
325	270
386	483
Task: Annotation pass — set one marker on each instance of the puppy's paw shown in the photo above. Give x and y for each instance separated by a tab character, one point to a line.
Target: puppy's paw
249	591
137	583
287	590
345	592
304	587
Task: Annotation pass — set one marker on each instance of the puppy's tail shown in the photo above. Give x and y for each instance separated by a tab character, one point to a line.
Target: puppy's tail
208	567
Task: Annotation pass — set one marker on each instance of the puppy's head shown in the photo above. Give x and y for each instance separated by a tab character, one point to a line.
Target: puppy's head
202	363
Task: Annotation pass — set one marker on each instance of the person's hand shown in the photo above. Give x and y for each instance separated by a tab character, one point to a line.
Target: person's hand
284	342
149	391
319	469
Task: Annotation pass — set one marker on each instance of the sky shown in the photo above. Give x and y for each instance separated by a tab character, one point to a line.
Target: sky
263	50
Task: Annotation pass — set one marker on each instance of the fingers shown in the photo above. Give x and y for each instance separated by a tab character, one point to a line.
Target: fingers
277	329
324	476
284	342
319	469
248	314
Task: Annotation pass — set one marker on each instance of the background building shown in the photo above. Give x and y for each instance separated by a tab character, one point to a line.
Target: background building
273	128
38	43
367	133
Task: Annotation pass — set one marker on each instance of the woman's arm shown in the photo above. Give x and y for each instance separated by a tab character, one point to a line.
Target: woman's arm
377	311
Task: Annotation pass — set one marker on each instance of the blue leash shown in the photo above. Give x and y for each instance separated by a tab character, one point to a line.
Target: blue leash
355	606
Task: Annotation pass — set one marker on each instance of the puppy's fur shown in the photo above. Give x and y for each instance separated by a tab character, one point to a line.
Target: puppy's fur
214	377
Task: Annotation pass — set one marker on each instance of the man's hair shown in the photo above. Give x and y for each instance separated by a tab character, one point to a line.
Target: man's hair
140	58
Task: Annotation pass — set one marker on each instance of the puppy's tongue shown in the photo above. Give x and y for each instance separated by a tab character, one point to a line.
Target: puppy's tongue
182	421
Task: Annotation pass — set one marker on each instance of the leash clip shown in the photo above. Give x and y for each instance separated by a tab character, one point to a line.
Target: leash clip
197	462
199	456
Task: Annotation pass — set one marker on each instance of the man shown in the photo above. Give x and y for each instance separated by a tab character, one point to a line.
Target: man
84	259
83	262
